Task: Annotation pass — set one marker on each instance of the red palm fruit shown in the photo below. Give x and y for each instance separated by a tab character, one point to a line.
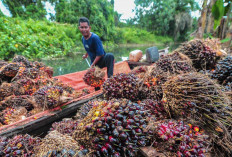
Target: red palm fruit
123	136
131	114
119	116
201	155
99	124
118	123
95	119
8	150
108	119
142	142
187	153
88	127
96	140
133	132
116	154
201	151
101	130
138	130
112	127
179	154
17	152
130	121
126	110
106	137
104	151
130	153
128	127
120	129
109	148
115	133
164	137
98	146
182	148
112	140
193	151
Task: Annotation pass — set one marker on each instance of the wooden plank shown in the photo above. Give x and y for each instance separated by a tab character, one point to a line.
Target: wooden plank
41	125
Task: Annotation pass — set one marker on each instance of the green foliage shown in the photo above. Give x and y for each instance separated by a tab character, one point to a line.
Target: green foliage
26	8
1	13
99	12
163	17
36	39
139	36
219	10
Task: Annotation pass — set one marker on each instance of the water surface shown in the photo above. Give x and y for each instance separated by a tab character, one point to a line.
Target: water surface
74	63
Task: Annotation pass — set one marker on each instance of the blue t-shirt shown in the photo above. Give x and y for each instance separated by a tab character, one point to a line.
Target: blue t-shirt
93	46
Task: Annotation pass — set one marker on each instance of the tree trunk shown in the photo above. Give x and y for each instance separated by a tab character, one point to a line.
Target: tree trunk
202	20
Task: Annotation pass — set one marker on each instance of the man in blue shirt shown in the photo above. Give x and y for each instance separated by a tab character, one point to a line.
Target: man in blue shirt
94	48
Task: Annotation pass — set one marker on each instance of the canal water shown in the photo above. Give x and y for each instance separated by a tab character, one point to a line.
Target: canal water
73	63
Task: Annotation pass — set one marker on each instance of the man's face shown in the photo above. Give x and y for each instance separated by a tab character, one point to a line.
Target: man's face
84	29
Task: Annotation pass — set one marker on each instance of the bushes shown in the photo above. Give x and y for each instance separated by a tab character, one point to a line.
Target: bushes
36	39
40	39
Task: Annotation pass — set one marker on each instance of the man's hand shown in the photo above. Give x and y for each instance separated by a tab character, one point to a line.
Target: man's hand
85	56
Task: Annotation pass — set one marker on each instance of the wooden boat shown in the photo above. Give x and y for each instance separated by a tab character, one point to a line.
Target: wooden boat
39	123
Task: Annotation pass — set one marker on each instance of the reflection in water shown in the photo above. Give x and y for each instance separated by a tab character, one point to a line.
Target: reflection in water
70	64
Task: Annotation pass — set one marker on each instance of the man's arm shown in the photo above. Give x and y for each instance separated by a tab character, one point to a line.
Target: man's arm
85	55
96	60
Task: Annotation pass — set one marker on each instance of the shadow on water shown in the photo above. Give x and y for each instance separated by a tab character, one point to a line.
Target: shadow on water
74	62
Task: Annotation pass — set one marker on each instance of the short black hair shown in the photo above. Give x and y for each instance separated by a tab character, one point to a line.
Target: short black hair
83	19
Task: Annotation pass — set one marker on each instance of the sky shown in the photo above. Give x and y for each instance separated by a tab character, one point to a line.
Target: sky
123	7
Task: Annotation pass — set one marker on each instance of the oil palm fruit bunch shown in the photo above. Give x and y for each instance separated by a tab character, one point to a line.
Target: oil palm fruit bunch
66	126
197	97
17	101
139	71
2	63
48	96
22	60
24	72
6	114
21	145
6	89
45	73
84	110
94	77
175	63
38	65
175	138
3	142
10	70
56	144
121	86
114	128
66	87
24	87
223	71
202	56
156	108
149	84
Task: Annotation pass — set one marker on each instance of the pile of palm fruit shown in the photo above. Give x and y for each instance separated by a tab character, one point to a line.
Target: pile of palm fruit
27	88
170	106
94	77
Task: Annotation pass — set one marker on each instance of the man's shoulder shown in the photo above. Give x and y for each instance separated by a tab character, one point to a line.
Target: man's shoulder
95	36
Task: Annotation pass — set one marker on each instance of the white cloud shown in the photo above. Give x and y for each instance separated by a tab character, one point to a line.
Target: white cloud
4	10
125	8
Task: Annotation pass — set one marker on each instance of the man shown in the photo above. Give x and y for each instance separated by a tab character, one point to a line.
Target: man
94	48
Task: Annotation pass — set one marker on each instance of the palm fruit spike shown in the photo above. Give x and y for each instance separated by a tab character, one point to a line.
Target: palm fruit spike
94	77
121	86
